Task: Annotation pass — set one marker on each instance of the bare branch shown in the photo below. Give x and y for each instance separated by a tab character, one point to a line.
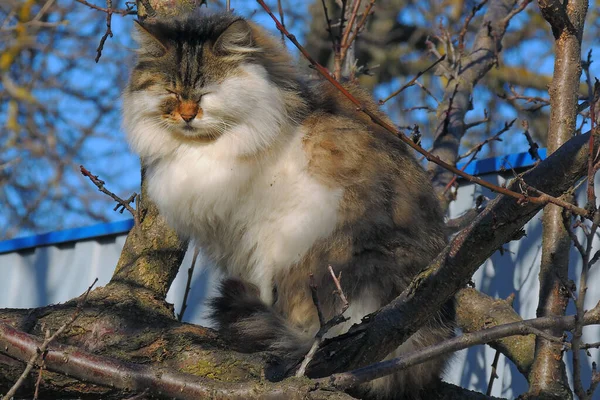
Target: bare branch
413	80
493	374
463	31
324	326
123	204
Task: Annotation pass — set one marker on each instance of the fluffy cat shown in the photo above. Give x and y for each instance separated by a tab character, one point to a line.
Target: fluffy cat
276	178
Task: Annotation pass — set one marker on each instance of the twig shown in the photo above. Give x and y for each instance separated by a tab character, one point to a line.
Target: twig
345	43
281	17
188	284
517	10
324	326
39	378
413	80
486	118
122	12
108	32
308	357
315	299
337	59
595	380
580	303
476	149
493	374
533	146
361	24
334	46
122	204
543	198
41	350
339	291
463	31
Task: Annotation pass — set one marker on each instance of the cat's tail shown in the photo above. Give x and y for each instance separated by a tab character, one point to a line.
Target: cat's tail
250	325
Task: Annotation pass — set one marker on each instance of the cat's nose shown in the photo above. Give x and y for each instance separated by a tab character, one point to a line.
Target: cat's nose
188	117
188	110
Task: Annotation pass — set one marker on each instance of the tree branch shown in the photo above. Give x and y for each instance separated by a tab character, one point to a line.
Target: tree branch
548	375
532	326
476	311
457	96
138	377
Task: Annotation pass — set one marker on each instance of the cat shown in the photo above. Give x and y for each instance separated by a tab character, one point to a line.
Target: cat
276	177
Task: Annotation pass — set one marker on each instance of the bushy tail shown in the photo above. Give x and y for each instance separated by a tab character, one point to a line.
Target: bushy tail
251	325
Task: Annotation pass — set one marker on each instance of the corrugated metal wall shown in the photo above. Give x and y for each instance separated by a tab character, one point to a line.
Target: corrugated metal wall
58	272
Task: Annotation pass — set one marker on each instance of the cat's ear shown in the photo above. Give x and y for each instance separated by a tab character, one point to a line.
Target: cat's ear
149	40
236	39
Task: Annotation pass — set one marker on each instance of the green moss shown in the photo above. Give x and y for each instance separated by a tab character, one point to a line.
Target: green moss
206	368
227	370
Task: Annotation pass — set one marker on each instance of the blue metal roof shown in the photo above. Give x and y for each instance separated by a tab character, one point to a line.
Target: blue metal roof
478	167
67	235
497	164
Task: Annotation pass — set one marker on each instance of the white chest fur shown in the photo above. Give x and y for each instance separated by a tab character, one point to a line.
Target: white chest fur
251	217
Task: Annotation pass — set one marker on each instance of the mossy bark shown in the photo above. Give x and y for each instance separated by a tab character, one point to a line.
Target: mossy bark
152	253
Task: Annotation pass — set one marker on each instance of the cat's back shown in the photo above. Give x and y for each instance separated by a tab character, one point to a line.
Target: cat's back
377	171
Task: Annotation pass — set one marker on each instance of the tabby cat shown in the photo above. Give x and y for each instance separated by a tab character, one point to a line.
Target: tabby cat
275	178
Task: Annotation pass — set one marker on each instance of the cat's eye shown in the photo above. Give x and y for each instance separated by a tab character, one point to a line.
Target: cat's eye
173	93
199	96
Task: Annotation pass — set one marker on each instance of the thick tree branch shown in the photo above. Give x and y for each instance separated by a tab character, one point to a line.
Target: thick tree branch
548	376
477	311
152	253
154	380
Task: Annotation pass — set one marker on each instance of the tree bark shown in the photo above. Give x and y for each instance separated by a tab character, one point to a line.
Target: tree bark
548	378
476	311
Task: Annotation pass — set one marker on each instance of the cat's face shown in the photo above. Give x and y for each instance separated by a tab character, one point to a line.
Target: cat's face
207	79
183	71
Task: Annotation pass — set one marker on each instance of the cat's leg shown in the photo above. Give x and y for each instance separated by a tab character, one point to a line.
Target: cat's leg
244	319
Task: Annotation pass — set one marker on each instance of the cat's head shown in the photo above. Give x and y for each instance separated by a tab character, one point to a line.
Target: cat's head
200	78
